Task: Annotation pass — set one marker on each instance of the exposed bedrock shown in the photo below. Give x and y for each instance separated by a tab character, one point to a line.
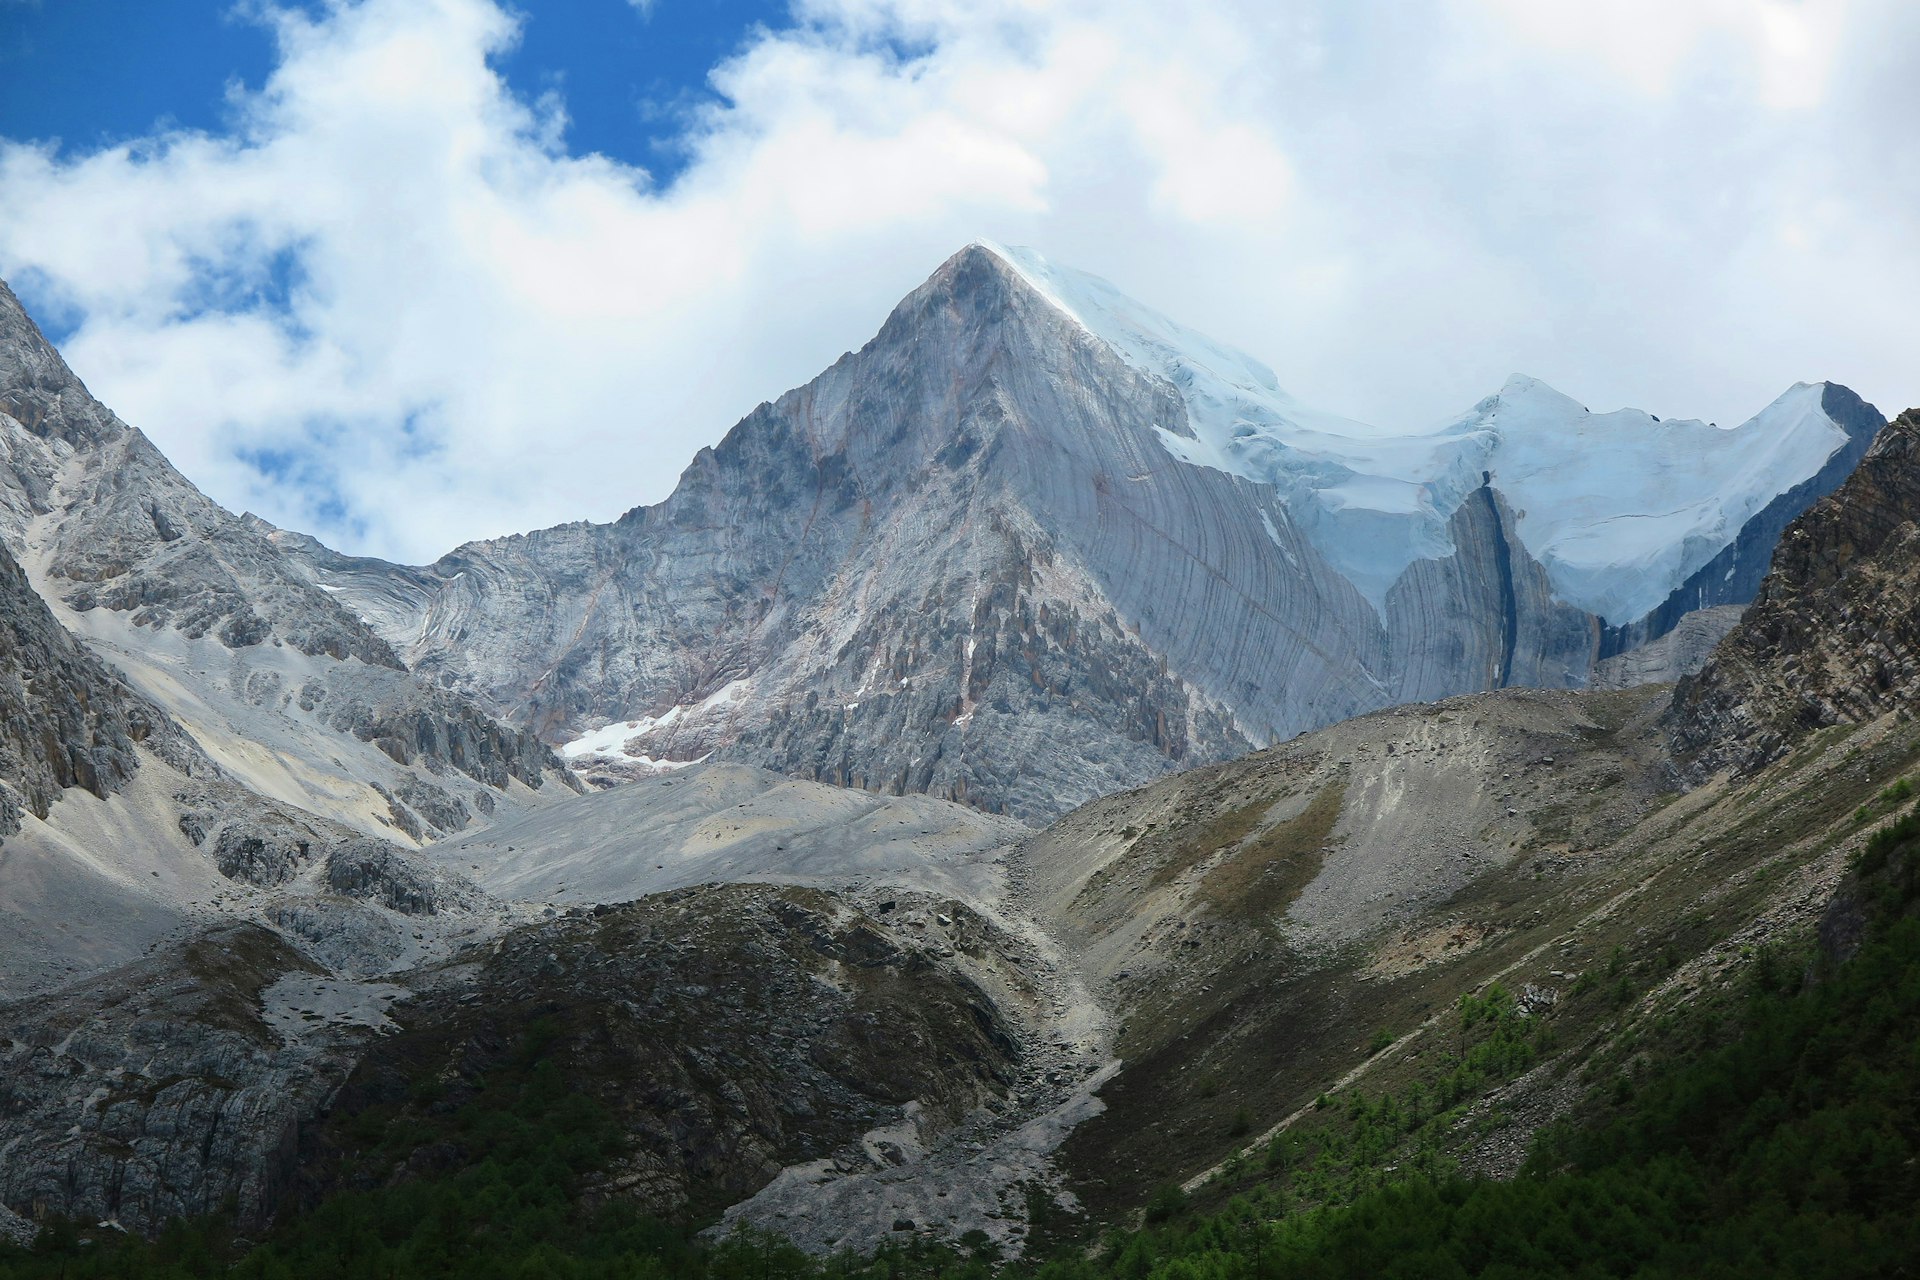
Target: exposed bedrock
1834	635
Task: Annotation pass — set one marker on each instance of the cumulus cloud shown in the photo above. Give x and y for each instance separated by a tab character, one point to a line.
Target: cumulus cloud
391	307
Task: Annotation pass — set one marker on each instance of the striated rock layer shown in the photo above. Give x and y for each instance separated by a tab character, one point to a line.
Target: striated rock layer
1682	651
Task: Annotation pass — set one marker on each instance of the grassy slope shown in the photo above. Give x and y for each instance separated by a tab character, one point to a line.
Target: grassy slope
1621	902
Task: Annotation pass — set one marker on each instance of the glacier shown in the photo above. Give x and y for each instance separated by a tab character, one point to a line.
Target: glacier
1620	508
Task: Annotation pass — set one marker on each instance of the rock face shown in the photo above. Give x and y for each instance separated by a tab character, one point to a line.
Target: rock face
728	1032
1834	636
1680	652
208	618
65	720
1016	552
162	1089
115	526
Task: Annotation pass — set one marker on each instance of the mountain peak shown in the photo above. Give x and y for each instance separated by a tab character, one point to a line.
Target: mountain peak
1524	388
1585	486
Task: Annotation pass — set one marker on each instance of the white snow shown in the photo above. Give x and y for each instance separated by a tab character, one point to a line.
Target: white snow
1273	534
612	739
1620	508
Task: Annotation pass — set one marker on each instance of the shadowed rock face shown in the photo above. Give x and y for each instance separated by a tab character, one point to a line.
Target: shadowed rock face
65	720
159	1090
1834	635
963	561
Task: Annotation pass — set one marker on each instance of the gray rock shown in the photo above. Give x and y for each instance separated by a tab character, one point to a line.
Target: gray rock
120	538
374	872
15	1229
65	719
1834	636
159	1090
1680	652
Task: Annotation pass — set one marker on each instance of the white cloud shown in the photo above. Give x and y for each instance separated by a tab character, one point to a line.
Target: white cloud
1790	46
471	331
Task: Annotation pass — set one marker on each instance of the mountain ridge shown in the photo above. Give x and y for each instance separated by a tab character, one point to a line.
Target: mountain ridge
1103	527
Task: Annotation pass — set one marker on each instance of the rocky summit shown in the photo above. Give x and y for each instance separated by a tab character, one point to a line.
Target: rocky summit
1037	796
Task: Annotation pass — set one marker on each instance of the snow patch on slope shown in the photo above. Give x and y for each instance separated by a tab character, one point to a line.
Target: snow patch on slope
1621	508
615	741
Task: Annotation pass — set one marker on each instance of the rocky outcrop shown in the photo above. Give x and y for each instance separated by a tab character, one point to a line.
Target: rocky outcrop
727	1031
413	722
1680	652
370	871
162	1090
65	720
1834	635
254	840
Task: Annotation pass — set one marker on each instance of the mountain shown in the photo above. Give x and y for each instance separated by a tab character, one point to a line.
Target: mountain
296	938
1381	951
295	696
193	730
1034	543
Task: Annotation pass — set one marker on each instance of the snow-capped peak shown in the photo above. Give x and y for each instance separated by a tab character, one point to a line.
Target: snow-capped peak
1620	508
1373	501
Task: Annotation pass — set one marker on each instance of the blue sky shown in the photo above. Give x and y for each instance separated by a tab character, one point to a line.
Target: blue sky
406	272
94	72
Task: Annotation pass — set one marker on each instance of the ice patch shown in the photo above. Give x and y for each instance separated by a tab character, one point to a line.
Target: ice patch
1622	507
1273	534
